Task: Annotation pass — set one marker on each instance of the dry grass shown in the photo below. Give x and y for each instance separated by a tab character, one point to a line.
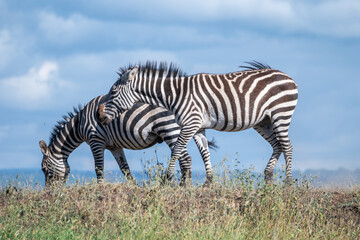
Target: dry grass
232	209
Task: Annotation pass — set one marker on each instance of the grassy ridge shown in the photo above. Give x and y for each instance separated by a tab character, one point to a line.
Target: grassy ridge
231	209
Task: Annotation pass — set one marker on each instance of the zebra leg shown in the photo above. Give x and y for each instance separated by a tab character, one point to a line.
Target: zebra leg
186	133
122	162
184	158
266	131
185	167
97	150
202	144
281	127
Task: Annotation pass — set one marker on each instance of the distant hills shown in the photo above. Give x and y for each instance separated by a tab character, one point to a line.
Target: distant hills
339	177
318	178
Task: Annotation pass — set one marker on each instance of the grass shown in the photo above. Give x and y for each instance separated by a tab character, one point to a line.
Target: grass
240	207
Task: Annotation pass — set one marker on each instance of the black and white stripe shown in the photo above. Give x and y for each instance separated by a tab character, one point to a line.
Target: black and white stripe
140	127
259	97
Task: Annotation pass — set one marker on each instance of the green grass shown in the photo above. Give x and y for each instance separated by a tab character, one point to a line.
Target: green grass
238	208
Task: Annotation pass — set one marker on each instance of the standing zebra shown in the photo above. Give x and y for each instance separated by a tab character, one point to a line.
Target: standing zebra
259	97
140	127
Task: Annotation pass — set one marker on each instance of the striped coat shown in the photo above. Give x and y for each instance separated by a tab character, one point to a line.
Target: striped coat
140	127
259	97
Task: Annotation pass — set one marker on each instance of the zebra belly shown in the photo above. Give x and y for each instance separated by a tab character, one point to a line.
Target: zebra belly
224	124
134	140
135	145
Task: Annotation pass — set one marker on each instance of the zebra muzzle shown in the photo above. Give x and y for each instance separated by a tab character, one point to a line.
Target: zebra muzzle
101	115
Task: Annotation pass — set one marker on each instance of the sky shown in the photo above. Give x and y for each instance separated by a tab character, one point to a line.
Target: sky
57	54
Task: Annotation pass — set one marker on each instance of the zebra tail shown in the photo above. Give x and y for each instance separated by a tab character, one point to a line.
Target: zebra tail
212	144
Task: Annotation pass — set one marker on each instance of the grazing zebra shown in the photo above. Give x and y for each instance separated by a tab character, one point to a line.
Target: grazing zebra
140	127
259	97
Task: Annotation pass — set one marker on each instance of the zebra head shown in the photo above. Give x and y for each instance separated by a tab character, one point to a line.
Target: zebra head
120	97
55	169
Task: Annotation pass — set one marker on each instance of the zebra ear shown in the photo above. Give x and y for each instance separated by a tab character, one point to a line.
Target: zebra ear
128	76
133	73
44	148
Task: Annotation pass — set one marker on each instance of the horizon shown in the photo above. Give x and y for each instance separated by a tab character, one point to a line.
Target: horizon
316	178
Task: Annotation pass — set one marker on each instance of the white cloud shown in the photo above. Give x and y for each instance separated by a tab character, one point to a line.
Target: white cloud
98	61
332	18
106	34
100	68
15	50
200	10
5	47
66	30
42	87
8	48
256	10
339	18
92	74
33	90
335	18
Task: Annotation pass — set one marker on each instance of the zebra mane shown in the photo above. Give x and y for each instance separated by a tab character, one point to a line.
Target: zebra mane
153	68
61	123
255	65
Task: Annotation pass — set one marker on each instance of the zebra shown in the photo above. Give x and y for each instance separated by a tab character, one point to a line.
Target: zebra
140	127
257	97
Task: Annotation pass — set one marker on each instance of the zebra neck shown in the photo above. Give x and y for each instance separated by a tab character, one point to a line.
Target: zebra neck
67	139
159	91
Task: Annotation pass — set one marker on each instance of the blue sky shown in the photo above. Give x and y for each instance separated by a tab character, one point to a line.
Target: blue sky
55	55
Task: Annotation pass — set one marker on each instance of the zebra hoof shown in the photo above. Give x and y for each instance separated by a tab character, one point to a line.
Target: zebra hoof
209	181
289	182
182	183
165	181
132	182
207	184
269	181
269	178
185	182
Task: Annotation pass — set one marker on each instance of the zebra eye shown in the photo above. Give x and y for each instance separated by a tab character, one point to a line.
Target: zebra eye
113	89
